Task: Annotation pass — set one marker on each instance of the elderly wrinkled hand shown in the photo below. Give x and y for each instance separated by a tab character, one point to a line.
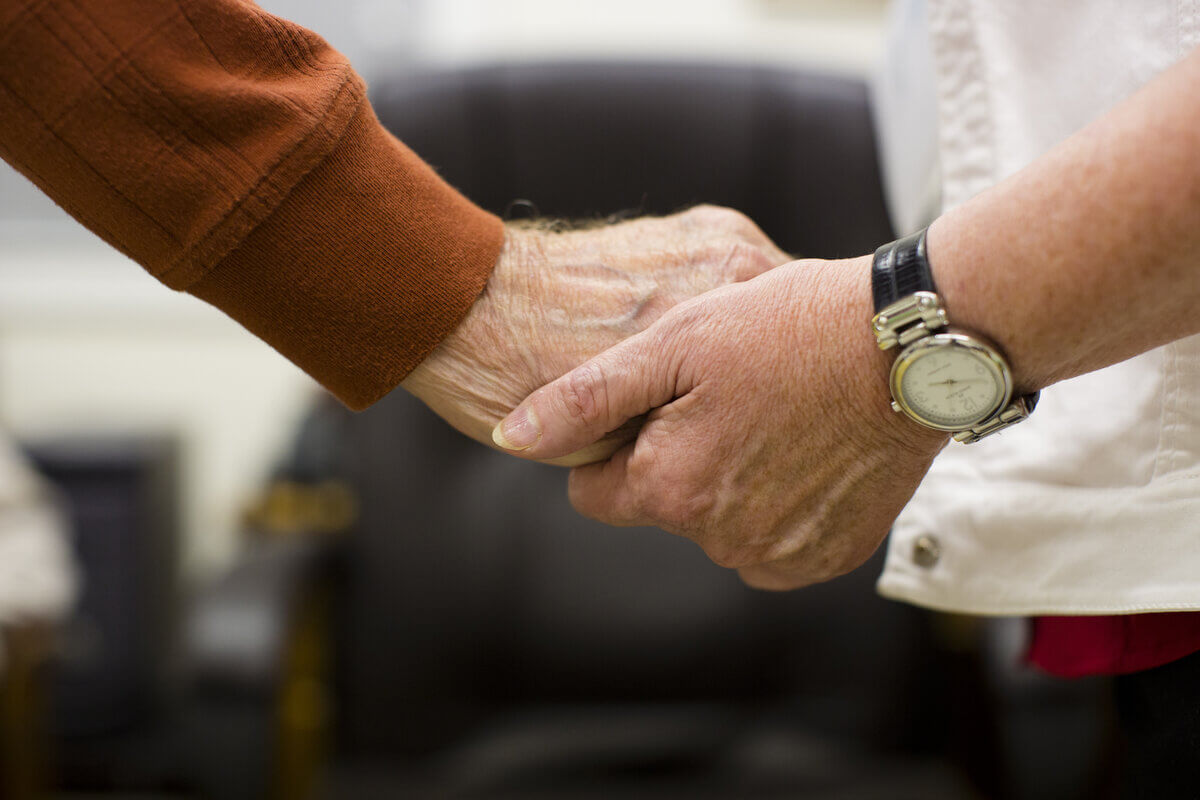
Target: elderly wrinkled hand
769	438
556	299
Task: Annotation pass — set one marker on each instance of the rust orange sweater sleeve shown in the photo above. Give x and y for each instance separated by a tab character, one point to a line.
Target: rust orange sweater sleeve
234	155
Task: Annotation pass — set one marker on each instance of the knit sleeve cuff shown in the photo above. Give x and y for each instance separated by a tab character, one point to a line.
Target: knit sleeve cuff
366	265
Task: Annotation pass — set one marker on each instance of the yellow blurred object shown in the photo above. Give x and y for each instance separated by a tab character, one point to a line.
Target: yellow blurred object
304	709
23	738
287	508
959	633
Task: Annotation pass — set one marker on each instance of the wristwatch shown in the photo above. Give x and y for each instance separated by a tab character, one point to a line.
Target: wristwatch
944	377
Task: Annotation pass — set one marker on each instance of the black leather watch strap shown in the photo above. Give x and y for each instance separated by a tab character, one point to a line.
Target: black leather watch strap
899	269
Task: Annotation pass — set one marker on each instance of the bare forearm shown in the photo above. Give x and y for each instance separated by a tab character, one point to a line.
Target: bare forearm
1090	255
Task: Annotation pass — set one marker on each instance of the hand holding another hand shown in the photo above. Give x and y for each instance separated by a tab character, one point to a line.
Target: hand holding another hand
556	299
769	440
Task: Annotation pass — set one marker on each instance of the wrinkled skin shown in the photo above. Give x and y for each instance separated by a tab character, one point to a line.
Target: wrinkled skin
769	441
556	299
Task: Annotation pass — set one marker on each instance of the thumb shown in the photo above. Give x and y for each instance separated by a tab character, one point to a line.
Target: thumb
588	402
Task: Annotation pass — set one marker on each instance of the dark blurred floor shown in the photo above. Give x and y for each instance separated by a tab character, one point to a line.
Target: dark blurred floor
922	781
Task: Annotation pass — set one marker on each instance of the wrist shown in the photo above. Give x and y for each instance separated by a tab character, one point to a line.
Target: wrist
967	261
458	379
860	398
943	375
875	368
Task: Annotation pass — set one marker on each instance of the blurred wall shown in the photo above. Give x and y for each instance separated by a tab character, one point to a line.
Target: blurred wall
385	35
90	344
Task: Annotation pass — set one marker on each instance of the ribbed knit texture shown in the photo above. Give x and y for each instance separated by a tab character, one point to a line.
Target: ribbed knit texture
234	155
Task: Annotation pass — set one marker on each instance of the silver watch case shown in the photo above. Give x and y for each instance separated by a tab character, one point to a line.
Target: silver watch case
988	354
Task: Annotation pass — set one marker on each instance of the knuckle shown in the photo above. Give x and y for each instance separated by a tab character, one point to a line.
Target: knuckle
723	217
719	219
729	555
588	500
739	224
644	470
579	501
584	396
582	500
681	511
769	579
736	259
745	260
736	250
704	211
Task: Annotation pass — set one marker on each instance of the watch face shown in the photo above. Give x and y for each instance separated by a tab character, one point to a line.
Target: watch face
951	381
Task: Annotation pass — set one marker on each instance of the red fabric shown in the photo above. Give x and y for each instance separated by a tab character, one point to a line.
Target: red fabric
1072	647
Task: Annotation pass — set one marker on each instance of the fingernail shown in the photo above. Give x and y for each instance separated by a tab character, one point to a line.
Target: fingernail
518	431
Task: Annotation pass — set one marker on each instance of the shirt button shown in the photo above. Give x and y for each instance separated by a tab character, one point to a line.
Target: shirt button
926	551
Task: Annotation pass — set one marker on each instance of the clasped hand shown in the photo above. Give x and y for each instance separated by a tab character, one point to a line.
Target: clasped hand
555	299
707	387
768	439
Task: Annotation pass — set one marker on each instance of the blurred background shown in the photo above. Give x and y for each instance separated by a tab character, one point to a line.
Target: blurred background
224	585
